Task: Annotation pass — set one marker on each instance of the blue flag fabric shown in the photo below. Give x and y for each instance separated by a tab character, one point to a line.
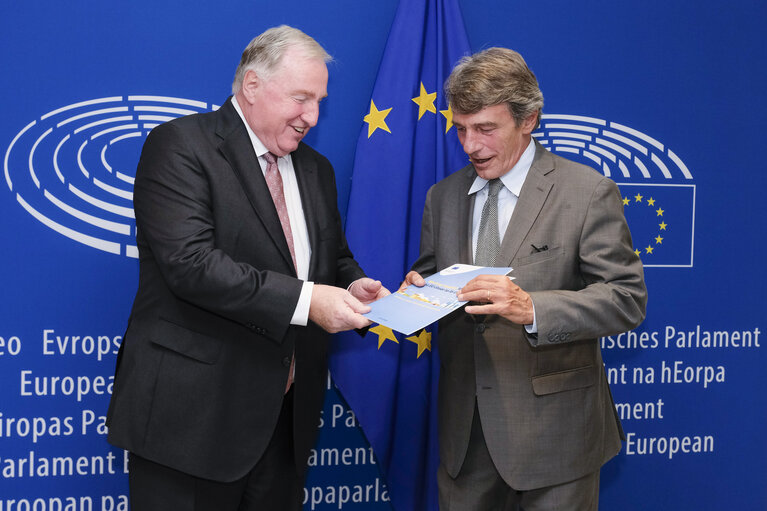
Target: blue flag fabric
407	143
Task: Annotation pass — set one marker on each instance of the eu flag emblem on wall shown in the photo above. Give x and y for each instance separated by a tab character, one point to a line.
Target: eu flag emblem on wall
406	145
662	222
659	202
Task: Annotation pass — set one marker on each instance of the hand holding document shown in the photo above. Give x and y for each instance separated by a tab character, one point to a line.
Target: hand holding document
414	308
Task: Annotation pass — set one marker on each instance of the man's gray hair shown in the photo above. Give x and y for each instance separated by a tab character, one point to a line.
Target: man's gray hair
493	77
264	53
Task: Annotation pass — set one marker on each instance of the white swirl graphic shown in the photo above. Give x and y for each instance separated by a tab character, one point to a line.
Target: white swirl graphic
73	168
617	150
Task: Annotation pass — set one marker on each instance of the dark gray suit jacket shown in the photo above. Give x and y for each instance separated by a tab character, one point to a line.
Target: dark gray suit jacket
203	365
545	406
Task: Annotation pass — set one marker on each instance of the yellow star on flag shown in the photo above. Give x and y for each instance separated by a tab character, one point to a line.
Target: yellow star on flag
638	198
423	340
384	333
449	117
376	119
651	202
649	249
637	252
663	226
626	201
425	102
659	240
659	211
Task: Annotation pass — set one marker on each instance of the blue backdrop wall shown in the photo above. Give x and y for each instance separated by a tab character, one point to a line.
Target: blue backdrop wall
675	88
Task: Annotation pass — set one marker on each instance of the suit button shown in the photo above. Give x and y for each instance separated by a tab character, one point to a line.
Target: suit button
251	326
480	328
286	361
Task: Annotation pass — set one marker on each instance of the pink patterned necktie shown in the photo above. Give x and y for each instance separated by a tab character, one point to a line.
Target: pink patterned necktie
274	182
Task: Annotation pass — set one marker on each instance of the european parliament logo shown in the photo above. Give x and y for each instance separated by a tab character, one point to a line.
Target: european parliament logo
73	168
656	185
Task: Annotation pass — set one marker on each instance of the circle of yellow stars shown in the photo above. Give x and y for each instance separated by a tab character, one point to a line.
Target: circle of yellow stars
422	339
662	226
376	118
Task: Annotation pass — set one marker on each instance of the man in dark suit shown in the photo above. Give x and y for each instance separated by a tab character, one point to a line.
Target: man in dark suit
221	374
526	418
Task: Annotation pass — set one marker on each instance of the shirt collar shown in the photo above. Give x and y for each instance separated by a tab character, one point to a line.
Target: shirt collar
514	178
258	146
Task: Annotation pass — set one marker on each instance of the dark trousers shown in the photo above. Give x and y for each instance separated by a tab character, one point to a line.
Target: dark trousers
273	484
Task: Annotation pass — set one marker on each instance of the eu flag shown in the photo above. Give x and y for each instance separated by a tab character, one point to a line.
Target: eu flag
662	220
406	145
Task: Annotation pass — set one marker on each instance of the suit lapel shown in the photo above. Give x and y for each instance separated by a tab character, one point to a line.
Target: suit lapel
533	195
237	148
309	189
464	212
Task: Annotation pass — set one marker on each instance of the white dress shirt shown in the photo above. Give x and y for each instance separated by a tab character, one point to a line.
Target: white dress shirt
507	200
301	246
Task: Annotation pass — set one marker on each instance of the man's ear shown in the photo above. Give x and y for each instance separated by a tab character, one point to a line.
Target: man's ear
528	125
250	84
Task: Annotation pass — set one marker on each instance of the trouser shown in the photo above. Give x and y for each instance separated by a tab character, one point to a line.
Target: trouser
479	486
272	484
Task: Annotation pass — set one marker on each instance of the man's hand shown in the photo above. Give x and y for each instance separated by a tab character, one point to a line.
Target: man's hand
368	290
335	309
412	277
501	296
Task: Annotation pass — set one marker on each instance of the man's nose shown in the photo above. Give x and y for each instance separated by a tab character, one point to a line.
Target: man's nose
311	113
470	143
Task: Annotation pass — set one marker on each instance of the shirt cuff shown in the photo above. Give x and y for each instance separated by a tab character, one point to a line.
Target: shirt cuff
350	286
532	329
301	314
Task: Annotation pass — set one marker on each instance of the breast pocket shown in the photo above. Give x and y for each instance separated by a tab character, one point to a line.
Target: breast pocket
539	256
